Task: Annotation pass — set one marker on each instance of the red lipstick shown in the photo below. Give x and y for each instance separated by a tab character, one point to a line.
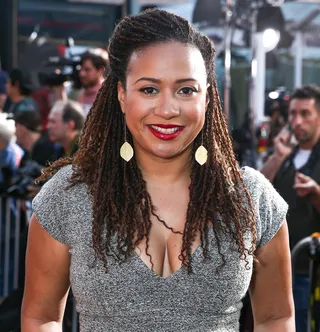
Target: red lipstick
163	132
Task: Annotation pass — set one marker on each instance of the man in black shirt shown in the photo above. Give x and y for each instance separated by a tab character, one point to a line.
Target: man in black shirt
295	173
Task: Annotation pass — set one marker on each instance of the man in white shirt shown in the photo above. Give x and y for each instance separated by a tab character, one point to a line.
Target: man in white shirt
94	64
295	173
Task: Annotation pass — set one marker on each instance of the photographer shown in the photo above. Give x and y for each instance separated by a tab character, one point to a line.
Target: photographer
94	63
17	186
36	145
28	134
86	83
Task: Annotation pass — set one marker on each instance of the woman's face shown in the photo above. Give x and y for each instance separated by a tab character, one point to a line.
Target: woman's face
165	98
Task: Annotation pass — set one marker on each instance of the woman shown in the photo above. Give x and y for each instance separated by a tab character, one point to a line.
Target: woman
161	237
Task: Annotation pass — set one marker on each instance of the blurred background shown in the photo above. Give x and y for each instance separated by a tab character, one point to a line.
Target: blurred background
33	31
262	46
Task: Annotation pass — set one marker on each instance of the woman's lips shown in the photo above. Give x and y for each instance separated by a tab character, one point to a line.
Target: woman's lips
165	132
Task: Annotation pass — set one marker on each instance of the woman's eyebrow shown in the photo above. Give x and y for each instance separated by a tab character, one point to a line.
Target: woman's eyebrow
155	80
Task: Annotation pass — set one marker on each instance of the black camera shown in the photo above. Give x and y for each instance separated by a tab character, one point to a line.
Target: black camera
25	176
66	69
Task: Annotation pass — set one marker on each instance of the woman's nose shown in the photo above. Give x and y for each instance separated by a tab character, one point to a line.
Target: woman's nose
167	107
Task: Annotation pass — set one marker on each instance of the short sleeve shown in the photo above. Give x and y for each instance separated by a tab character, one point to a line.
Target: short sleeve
269	207
49	205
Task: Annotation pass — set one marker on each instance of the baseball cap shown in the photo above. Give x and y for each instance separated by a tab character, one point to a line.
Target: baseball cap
23	77
29	119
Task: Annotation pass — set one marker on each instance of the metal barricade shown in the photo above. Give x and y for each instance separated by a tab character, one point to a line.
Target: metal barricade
313	244
10	228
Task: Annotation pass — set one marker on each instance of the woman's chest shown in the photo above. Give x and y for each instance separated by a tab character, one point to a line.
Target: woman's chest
217	282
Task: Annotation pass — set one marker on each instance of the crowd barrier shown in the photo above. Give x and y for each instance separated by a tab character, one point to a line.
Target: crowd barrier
312	245
15	215
10	212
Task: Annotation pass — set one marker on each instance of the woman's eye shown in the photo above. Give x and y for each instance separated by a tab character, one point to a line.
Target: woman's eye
149	91
188	91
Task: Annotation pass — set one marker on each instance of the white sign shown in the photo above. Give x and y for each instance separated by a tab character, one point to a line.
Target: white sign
106	2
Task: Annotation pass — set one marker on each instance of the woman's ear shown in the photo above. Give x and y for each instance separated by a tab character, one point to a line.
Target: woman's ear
122	97
207	96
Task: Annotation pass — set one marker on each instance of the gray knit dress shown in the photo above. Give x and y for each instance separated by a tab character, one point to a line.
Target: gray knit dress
130	297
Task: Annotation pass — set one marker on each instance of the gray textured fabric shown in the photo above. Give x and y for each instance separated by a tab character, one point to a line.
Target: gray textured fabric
133	298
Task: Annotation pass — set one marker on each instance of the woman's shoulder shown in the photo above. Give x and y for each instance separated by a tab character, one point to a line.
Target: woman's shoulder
254	180
60	180
58	205
63	174
269	207
56	188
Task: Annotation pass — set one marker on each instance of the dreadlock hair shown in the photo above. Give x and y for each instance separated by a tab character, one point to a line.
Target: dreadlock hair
121	202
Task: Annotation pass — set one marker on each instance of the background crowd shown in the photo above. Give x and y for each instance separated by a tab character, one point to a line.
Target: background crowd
42	125
37	127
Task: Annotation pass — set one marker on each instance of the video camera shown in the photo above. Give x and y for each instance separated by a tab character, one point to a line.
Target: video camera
16	184
66	69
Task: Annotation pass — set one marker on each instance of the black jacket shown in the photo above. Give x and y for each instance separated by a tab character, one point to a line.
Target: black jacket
303	219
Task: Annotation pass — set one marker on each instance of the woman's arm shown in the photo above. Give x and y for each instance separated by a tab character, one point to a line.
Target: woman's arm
271	287
47	281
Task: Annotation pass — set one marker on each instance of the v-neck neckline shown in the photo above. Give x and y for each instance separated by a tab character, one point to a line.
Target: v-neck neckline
154	274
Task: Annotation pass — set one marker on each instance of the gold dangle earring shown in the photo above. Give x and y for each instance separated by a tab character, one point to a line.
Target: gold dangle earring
201	154
126	150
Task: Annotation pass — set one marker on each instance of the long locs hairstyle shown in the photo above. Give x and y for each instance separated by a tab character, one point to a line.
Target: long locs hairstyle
120	200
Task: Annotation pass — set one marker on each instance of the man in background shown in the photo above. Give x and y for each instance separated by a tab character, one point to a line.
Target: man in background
19	88
94	63
65	122
36	145
295	173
